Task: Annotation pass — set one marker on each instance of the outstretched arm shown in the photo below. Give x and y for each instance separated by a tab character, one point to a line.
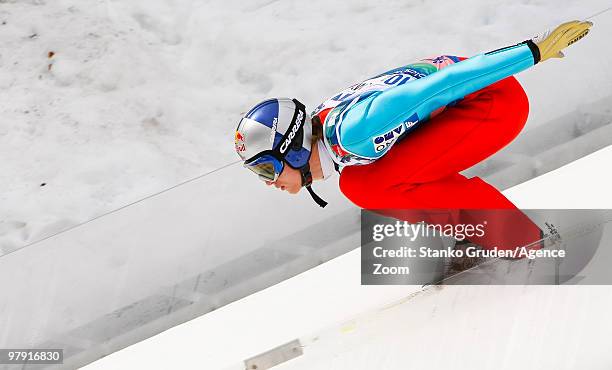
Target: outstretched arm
427	94
382	112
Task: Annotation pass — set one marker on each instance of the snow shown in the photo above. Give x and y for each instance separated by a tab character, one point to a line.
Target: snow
106	102
344	325
133	273
139	96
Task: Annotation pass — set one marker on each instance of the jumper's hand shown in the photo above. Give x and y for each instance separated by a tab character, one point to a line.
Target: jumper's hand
551	42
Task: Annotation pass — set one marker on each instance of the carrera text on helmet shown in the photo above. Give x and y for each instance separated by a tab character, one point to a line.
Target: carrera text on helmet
298	123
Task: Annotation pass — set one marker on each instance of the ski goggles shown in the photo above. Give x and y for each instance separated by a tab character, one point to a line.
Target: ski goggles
266	166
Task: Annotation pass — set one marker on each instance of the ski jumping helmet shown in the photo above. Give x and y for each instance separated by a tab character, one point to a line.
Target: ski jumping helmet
275	133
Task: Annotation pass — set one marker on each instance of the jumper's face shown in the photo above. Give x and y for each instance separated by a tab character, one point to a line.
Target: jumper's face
290	180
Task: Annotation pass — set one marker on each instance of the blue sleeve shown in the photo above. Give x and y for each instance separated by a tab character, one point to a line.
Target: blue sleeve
371	126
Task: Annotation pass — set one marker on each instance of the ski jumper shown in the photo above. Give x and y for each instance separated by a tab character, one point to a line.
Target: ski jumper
401	138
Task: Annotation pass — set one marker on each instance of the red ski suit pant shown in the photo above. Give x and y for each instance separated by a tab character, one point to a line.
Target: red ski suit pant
422	170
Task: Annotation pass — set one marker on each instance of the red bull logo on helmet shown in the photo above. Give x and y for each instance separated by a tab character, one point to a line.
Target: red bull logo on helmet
239	142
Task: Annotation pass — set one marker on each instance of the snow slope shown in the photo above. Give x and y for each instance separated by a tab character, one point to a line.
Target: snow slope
105	102
344	325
